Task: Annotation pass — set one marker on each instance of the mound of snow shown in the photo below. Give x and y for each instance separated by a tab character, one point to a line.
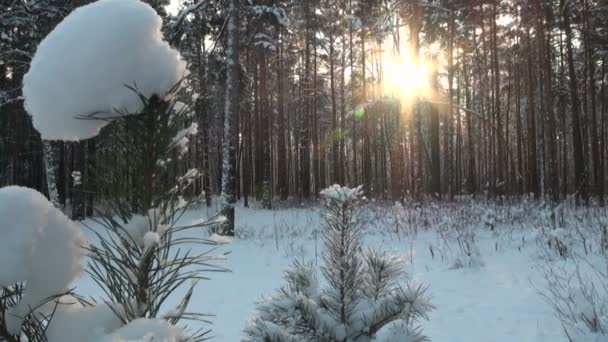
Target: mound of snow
397	331
147	330
81	68
38	245
220	239
74	322
136	229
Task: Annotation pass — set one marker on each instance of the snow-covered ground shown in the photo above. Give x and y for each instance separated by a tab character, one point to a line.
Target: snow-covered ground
493	297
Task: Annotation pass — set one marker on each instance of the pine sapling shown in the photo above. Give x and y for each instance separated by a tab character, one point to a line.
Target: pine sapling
363	299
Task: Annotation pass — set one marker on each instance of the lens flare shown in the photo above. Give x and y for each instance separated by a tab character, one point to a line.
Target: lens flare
359	112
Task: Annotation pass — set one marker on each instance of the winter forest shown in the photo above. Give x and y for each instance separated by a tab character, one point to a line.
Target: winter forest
303	170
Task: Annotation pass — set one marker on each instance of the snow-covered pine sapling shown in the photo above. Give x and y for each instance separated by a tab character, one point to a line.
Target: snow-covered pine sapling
107	65
147	254
363	300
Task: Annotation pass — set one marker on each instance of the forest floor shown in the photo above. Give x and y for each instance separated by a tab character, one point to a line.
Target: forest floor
485	266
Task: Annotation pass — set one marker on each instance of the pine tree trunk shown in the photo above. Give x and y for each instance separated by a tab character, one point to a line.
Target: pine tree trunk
594	139
304	147
265	138
282	175
545	41
230	120
500	157
435	147
519	130
577	132
533	186
335	133
472	175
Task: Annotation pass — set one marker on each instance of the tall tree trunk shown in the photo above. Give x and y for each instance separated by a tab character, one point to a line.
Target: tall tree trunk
533	185
472	175
266	139
500	161
304	147
282	175
342	161
545	42
453	175
230	120
335	133
354	177
435	147
603	134
416	146
366	160
519	129
595	139
577	133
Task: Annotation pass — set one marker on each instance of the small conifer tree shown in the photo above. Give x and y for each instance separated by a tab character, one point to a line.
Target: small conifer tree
363	299
144	255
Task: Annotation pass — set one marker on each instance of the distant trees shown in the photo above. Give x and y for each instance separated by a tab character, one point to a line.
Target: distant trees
518	103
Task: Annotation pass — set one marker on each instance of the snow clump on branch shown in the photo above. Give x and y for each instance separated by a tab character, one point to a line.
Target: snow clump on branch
39	246
79	77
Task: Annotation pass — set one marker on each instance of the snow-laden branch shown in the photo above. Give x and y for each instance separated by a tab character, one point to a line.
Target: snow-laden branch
175	25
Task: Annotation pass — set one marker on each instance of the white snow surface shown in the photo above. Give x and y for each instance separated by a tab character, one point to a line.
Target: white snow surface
81	68
498	302
39	245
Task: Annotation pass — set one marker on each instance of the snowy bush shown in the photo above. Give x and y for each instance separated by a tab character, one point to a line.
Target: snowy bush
457	241
578	293
363	299
565	232
81	69
404	218
573	265
489	218
41	253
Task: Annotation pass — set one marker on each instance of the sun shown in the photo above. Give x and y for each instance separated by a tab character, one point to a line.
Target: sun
405	76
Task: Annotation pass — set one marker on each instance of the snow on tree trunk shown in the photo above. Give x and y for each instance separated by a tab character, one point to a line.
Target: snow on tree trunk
50	164
230	120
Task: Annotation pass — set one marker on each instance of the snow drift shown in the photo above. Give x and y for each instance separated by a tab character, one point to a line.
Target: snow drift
39	246
84	65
